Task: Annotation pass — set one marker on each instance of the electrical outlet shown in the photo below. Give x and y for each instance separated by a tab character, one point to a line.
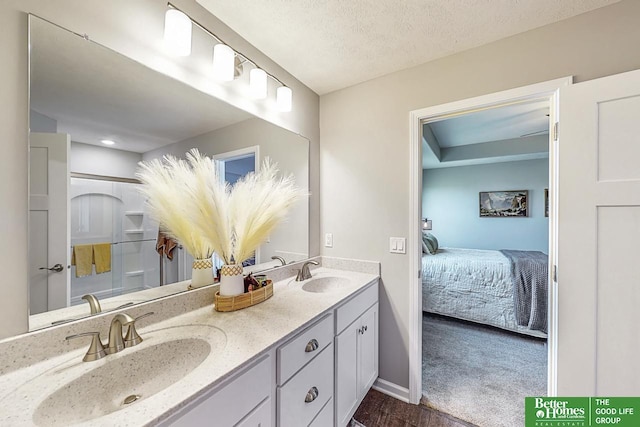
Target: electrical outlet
328	240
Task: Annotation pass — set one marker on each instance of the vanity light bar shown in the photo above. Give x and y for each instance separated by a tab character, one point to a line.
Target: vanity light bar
177	32
224	63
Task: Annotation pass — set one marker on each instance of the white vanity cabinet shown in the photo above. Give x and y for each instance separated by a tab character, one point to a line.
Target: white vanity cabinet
305	376
356	352
243	400
317	378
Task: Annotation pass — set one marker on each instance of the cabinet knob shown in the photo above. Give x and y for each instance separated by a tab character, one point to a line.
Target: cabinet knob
365	328
312	395
311	346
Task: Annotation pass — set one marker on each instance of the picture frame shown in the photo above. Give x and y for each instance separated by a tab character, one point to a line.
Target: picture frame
504	204
546	202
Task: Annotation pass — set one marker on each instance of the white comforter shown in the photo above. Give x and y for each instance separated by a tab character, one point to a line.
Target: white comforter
470	284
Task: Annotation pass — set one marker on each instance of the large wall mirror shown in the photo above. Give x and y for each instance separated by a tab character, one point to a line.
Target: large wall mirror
84	194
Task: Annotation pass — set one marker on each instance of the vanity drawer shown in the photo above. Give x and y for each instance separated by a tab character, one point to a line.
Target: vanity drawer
293	410
348	312
304	347
325	417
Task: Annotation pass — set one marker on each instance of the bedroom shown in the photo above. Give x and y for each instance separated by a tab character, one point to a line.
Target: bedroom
470	300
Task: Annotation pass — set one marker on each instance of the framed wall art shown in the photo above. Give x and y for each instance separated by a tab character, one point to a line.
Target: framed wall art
504	204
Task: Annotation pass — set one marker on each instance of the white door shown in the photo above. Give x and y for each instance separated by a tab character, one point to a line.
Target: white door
49	242
599	235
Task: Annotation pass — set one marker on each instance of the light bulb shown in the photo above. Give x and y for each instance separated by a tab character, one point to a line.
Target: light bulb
258	83
223	62
283	98
177	32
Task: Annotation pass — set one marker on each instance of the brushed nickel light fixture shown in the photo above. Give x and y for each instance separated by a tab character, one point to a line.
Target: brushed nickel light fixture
227	62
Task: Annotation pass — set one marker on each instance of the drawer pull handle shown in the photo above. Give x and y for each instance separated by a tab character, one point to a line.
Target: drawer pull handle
312	395
311	346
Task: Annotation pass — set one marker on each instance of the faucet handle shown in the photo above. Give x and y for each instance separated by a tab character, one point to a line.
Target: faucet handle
96	349
132	338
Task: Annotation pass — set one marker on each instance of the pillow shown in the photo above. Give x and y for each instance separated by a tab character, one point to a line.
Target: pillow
430	241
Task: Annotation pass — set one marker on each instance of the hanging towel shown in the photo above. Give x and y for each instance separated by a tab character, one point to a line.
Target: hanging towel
165	244
102	257
82	258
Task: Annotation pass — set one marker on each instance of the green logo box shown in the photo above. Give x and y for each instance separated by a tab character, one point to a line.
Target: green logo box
582	411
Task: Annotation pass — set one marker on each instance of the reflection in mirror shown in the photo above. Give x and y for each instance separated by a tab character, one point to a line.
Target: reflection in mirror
89	230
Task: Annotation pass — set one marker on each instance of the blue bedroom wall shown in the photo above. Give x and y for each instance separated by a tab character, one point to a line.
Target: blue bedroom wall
450	200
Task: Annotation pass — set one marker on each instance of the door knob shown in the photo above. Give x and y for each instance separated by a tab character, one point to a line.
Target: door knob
57	268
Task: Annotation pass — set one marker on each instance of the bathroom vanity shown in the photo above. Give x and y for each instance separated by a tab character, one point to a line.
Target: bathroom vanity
307	356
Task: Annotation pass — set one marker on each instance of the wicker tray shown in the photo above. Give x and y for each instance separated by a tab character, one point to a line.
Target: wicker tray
245	300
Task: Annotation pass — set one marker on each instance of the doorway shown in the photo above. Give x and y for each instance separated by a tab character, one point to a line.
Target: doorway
483	200
541	91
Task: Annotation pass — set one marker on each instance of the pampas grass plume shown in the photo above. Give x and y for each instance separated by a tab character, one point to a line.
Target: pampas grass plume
191	200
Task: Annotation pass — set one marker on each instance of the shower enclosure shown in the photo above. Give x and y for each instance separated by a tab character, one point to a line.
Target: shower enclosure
112	210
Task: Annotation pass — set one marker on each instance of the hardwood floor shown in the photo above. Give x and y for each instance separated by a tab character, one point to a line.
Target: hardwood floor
379	410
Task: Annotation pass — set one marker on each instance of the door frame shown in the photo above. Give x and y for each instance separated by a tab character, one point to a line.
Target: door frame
545	90
221	158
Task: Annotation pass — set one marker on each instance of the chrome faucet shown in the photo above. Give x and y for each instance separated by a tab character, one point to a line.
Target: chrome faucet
94	304
279	258
304	273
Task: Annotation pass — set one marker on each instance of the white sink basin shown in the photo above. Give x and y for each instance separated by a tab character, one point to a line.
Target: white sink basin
75	392
136	375
325	284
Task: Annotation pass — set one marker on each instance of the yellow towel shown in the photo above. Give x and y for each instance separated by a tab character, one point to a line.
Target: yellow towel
102	257
82	258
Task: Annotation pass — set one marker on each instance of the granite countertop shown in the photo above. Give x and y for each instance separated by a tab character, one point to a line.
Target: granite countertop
237	338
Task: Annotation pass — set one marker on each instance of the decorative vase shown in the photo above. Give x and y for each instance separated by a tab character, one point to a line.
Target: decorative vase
231	280
201	273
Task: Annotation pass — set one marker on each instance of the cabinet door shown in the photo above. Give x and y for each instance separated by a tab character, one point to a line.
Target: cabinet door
228	404
346	373
367	350
259	417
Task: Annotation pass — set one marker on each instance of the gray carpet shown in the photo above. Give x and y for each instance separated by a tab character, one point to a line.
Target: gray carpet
480	374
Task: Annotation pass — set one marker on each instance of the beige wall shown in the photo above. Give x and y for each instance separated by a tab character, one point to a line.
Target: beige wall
135	29
364	156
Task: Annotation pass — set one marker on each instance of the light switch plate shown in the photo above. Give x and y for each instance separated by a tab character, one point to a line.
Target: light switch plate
328	240
398	245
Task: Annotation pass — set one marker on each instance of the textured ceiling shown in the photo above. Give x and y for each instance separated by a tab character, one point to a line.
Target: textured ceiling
332	44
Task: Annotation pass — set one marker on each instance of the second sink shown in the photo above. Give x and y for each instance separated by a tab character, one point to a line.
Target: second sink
325	284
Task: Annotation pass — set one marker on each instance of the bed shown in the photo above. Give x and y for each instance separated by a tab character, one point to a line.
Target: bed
480	286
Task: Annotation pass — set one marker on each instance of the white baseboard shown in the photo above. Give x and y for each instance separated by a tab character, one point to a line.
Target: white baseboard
391	389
